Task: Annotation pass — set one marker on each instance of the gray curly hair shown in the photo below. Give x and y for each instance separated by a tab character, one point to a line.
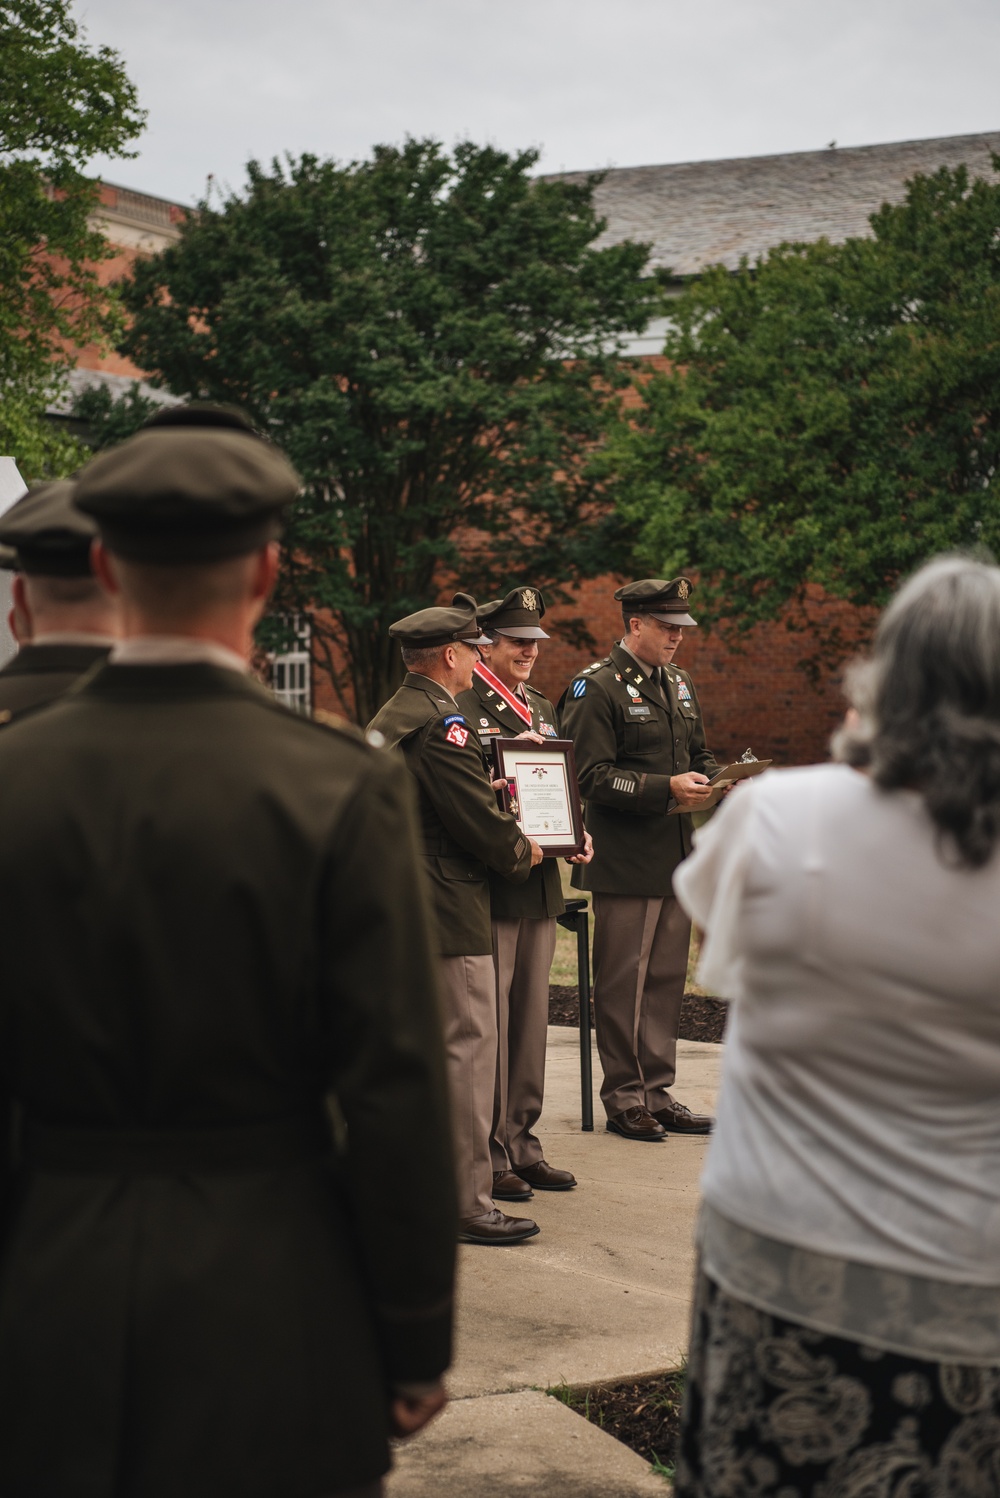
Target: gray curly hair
927	703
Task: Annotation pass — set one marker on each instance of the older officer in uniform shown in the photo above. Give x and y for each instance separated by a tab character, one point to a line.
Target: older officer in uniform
465	834
198	1296
501	703
62	619
641	754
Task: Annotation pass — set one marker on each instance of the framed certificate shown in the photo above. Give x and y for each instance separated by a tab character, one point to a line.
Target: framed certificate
542	792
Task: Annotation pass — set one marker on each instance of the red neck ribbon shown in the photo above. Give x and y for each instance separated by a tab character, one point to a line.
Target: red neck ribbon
485	674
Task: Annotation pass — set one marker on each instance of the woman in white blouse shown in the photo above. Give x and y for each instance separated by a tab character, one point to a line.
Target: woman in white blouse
846	1331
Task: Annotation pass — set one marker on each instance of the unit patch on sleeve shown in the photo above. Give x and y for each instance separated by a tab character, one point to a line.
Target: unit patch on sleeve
578	688
455	730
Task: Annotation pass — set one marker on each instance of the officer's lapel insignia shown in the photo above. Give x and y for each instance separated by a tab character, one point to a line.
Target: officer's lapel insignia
578	688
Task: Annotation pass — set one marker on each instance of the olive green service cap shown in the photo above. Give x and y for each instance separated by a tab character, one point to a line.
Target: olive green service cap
195	485
666	601
441	626
517	615
43	533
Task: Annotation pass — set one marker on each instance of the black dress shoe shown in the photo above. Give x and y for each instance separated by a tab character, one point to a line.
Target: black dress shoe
677	1119
636	1123
508	1187
496	1227
545	1177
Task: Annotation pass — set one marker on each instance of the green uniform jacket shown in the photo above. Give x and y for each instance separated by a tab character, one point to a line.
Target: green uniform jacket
464	831
540	896
40	673
214	917
628	742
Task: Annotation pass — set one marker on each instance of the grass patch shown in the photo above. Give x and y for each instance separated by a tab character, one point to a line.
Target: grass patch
644	1413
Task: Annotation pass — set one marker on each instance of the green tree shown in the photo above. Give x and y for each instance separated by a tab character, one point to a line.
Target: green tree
830	415
432	338
62	103
109	421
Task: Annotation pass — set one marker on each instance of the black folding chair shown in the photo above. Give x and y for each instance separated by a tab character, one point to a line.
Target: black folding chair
577	918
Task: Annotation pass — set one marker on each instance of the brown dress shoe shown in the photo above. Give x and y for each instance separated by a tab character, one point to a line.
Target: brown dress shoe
508	1187
677	1119
496	1227
545	1177
636	1123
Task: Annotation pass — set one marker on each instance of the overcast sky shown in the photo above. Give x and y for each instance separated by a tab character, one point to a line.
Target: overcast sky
591	83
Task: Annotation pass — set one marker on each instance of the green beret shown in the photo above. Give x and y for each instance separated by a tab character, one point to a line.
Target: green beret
666	601
45	534
180	493
516	615
441	626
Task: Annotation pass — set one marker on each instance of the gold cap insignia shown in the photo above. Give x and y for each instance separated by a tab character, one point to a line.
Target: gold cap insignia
529	600
683	589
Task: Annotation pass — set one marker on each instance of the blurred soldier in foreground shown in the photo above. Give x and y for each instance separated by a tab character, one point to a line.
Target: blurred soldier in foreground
642	759
62	619
464	834
501	704
198	1297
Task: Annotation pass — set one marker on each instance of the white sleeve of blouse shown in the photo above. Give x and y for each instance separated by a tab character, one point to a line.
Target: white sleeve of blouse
709	886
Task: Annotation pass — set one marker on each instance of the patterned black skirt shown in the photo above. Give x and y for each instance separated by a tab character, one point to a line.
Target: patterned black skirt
775	1410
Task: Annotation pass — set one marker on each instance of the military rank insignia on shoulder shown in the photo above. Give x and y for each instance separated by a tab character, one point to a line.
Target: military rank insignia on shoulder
455	730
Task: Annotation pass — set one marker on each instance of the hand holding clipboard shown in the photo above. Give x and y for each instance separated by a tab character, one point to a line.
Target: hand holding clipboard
740	769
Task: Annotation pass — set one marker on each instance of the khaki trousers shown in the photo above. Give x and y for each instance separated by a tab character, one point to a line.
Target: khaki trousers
470	1037
640	963
522	956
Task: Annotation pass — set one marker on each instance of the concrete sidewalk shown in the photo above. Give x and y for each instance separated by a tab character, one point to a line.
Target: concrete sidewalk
602	1293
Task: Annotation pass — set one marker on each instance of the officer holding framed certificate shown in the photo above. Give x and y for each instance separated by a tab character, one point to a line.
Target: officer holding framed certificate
502	705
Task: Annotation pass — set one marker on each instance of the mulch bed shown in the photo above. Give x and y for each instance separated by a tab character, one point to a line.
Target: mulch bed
641	1413
702	1018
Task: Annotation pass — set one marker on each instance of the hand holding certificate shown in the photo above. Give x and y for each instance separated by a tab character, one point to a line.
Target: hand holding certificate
542	792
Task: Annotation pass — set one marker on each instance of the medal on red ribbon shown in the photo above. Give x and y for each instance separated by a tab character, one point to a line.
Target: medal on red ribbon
521	708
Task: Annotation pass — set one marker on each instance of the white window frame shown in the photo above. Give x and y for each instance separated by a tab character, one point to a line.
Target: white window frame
291	670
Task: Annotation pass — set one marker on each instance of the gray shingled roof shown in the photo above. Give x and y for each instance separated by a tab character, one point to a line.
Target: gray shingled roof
702	213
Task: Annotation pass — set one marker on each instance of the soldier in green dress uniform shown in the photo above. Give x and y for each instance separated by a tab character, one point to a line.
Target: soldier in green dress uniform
465	837
215	918
502	703
63	620
640	747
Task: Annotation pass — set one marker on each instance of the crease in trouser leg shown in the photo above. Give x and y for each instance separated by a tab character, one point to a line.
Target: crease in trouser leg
471	1048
